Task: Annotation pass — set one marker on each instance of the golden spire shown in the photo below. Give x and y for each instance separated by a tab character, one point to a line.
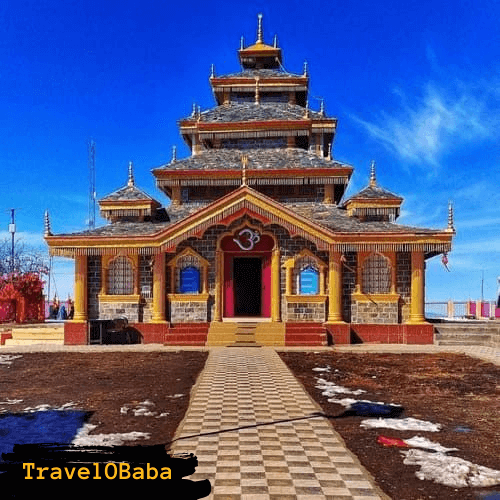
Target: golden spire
260	36
373	178
244	163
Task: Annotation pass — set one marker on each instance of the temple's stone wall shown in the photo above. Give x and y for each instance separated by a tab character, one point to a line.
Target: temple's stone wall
188	312
112	310
374	312
305	311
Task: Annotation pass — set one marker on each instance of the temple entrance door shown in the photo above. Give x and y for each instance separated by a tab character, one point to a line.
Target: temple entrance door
247	275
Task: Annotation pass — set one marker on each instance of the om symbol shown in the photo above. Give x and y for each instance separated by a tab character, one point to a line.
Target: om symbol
247	239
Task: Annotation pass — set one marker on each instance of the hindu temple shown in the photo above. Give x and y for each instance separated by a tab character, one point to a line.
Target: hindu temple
250	239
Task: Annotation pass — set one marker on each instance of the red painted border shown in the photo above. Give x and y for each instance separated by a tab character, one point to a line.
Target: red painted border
75	333
392	334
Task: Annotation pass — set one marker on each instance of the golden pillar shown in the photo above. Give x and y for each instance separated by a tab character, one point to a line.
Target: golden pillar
329	194
176	195
80	288
289	278
417	288
275	285
159	293
219	282
204	285
335	288
322	281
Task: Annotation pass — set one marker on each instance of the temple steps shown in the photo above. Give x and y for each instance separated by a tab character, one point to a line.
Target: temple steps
187	334
473	333
40	333
247	333
306	334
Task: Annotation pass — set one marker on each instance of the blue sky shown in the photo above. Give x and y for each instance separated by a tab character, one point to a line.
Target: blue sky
415	86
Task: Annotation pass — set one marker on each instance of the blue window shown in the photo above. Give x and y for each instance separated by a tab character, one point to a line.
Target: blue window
309	281
189	280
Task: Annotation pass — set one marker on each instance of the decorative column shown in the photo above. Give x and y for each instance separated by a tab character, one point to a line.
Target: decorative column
417	288
176	195
159	282
275	285
204	284
329	194
219	277
80	288
289	265
335	288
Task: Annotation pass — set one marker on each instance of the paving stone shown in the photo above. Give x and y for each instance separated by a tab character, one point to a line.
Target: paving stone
285	452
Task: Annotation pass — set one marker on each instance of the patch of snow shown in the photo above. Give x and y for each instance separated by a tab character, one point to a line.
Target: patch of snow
330	389
349	401
409	424
47	407
7	359
175	396
142	410
84	439
451	471
421	442
320	369
11	401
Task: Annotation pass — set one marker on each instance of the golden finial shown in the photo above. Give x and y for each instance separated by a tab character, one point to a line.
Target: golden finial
260	37
373	178
244	163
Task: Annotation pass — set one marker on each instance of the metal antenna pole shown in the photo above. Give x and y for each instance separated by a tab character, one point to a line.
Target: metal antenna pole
92	193
12	231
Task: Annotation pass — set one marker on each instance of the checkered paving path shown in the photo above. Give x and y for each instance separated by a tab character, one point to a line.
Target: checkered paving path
253	429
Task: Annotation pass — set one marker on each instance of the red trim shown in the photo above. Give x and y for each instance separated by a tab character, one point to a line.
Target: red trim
393	334
75	333
5	335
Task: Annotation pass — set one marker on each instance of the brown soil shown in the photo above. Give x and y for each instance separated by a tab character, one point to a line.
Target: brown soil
102	383
449	389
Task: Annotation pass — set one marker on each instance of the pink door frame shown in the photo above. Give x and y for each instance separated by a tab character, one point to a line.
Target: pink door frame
262	250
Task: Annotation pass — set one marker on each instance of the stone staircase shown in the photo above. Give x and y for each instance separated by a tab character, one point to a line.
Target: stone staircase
467	333
306	334
246	333
40	333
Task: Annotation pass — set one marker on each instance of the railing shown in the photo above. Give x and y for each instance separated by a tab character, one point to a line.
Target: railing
462	310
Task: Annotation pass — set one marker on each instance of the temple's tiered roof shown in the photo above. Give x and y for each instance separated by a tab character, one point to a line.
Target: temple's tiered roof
248	112
260	151
264	159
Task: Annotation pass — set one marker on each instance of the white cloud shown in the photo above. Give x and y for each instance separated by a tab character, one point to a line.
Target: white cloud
423	127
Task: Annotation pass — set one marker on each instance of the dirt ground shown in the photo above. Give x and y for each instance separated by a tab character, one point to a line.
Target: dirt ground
103	383
453	390
456	391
